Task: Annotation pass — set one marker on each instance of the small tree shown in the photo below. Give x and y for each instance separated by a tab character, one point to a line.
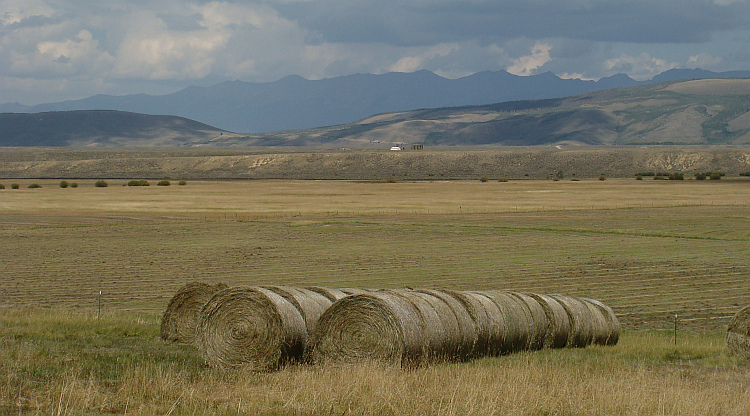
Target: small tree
64	184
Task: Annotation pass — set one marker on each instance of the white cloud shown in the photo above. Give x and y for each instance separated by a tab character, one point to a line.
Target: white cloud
640	67
15	11
527	65
705	61
416	62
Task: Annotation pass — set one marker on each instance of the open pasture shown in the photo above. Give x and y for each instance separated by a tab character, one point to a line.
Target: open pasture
649	249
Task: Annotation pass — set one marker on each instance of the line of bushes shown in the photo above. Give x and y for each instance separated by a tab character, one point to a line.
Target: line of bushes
99	184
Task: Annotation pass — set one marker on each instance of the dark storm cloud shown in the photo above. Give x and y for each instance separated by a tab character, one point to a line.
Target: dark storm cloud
429	22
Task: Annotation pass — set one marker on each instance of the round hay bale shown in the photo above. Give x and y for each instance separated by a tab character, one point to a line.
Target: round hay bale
610	333
181	316
435	338
488	321
332	294
559	322
581	323
738	334
517	320
467	332
310	304
540	324
377	326
357	291
250	327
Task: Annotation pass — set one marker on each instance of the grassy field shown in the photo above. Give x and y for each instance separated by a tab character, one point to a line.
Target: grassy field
649	249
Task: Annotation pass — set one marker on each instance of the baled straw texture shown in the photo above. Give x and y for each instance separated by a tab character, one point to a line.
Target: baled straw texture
488	321
467	332
377	326
581	321
517	318
310	304
609	334
332	294
440	331
540	324
181	316
559	322
250	327
738	334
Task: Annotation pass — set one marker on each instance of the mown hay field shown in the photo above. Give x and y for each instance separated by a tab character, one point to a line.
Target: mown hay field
648	249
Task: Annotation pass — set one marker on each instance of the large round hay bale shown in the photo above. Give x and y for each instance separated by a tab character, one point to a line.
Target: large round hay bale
540	324
250	327
738	334
559	322
310	304
488	321
609	334
517	320
467	332
376	326
581	321
436	341
181	316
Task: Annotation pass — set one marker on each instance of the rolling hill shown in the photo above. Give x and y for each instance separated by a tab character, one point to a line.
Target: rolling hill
102	128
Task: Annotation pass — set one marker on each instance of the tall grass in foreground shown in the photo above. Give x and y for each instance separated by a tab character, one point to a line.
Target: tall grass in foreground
74	364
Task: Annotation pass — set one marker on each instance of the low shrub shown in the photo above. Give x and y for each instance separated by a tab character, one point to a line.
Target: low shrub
484	179
700	176
2	186
602	177
659	178
677	176
139	182
163	183
715	176
101	183
15	186
74	184
503	180
745	173
34	186
182	183
638	177
64	184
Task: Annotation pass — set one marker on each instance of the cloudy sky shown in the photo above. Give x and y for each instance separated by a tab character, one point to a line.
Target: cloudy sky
52	50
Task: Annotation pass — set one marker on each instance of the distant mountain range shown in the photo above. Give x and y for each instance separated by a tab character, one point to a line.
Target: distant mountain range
693	112
296	103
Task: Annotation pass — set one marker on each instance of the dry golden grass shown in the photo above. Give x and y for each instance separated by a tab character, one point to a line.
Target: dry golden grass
648	249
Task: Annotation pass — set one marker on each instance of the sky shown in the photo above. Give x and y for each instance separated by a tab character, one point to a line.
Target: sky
54	50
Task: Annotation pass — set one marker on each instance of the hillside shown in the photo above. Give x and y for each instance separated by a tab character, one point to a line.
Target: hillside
696	112
539	162
101	128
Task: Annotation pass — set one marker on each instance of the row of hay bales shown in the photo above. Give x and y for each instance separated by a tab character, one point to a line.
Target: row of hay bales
265	327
